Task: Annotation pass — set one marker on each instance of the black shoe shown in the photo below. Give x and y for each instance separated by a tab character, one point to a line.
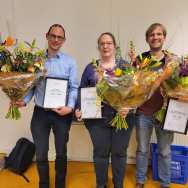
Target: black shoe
98	186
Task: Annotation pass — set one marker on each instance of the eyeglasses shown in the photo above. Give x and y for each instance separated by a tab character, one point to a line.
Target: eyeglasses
106	43
54	37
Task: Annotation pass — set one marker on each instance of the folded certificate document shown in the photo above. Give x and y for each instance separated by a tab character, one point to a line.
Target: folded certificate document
90	106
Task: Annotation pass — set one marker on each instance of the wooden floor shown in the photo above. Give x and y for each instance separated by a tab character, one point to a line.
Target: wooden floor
80	175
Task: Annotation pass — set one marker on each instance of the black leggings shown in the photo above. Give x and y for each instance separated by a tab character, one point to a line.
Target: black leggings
108	141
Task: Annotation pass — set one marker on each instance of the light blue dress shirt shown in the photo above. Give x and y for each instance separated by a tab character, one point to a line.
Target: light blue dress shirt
60	66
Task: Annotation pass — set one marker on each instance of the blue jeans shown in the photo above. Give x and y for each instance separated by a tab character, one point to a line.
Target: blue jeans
109	142
41	124
144	128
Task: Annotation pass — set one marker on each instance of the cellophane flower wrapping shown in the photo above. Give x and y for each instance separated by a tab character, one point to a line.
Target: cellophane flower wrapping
129	87
21	67
171	87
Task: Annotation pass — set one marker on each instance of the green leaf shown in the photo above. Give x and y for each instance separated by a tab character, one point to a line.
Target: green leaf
33	44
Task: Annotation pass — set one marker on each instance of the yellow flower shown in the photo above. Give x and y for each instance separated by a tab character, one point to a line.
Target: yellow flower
39	64
6	68
118	72
145	62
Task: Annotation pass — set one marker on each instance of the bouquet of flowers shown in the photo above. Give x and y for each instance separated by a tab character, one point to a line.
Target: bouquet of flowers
177	85
128	87
21	66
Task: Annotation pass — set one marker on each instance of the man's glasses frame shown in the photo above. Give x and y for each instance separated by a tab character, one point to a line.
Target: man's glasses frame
54	37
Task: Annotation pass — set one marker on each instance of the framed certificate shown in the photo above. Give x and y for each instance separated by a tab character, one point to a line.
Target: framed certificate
55	92
176	119
90	106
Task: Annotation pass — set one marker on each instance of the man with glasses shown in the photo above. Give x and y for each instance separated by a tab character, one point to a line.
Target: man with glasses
58	65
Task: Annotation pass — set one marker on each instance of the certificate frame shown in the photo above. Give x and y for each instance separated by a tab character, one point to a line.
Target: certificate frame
55	93
176	118
88	100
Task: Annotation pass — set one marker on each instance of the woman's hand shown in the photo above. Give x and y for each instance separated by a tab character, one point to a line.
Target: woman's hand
78	114
123	112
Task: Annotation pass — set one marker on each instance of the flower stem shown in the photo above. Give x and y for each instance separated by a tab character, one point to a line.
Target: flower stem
119	122
13	113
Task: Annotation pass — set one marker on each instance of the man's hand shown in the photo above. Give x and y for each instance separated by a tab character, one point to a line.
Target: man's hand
62	110
20	103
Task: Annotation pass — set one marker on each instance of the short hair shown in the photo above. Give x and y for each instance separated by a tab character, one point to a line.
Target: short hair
109	34
153	27
57	25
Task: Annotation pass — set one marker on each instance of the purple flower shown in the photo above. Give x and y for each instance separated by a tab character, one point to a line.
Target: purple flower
183	70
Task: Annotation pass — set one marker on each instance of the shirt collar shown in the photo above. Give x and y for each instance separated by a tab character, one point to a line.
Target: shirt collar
56	56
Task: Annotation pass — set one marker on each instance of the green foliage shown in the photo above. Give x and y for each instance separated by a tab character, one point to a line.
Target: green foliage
160	115
22	56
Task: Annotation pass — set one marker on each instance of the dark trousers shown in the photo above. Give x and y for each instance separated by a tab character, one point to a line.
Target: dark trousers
41	124
108	141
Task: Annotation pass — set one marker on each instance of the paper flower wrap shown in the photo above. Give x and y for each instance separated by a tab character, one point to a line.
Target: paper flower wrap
129	88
